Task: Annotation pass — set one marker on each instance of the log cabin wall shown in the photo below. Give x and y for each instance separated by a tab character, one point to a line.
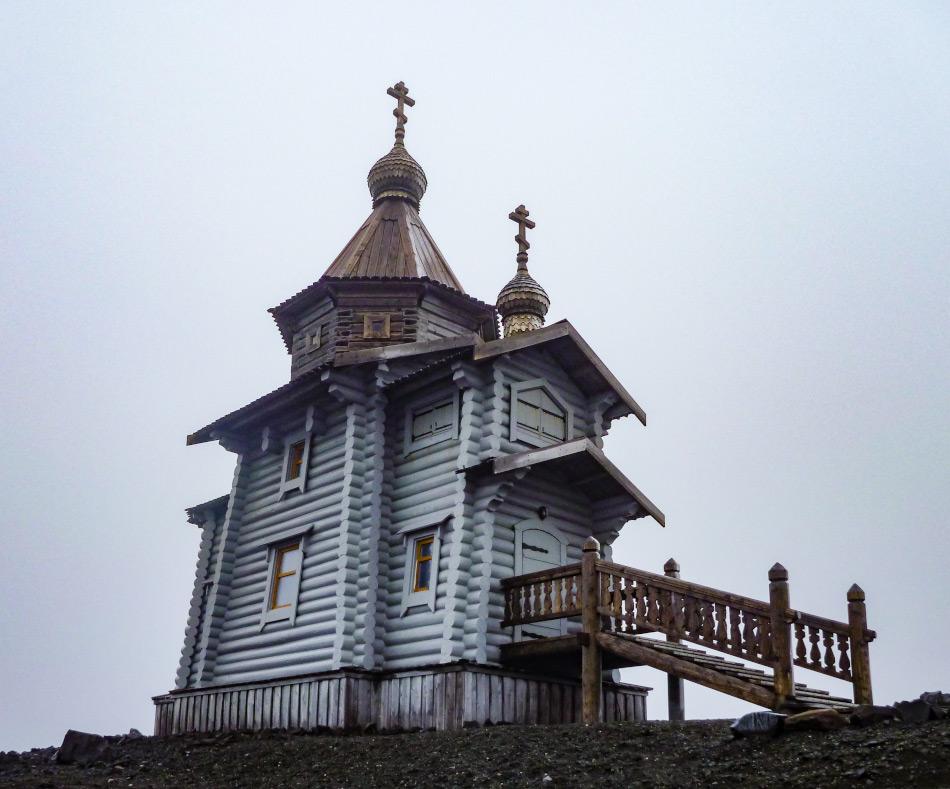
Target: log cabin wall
420	488
242	650
441	697
305	355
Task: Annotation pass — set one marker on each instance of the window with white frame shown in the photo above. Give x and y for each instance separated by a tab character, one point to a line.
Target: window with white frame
538	415
284	565
422	541
296	462
432	422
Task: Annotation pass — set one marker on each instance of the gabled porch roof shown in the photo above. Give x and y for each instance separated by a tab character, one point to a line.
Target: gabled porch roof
586	467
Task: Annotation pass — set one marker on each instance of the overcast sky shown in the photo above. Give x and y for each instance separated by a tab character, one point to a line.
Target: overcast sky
743	208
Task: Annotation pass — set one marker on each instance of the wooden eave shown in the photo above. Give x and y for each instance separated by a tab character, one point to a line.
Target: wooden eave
578	358
585	466
298	388
307	383
196	514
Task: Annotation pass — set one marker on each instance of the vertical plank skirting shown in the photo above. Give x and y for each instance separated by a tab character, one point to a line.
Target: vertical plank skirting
438	697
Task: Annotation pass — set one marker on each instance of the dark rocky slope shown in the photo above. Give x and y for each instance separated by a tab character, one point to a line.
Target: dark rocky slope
698	753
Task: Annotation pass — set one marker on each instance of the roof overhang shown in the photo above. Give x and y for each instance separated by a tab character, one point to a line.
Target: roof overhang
561	338
585	366
584	466
198	514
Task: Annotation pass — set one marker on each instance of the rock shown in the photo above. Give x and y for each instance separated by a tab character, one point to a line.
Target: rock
917	711
816	720
868	714
134	734
753	723
81	748
936	698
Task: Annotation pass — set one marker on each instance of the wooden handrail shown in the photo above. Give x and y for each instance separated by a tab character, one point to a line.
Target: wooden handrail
687	587
541	575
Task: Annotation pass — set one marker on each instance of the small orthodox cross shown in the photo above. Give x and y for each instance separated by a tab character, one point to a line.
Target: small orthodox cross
400	93
520	215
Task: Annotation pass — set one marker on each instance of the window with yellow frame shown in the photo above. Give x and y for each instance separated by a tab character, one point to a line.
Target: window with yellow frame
284	582
422	569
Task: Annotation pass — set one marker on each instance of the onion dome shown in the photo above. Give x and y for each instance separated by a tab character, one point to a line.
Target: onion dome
397	175
522	303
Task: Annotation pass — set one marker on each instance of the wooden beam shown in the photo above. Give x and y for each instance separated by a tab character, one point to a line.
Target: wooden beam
540	648
633	651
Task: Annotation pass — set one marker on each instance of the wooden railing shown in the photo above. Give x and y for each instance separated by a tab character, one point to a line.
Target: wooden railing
548	594
615	598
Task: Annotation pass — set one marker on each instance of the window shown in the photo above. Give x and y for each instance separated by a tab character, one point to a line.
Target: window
422	540
284	568
376	326
296	460
422	576
431	422
538	415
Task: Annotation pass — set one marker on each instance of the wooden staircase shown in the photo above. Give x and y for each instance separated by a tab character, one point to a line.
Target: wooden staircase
623	610
750	684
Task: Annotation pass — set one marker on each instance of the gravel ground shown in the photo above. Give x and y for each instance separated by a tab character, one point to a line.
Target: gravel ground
655	754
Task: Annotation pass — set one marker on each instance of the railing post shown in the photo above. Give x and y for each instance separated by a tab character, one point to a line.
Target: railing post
590	650
674	685
860	656
783	682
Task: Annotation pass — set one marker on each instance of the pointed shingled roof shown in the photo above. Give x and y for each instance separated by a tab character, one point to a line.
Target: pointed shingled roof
393	243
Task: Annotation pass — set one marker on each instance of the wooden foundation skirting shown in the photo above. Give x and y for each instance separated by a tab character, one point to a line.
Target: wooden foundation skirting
436	697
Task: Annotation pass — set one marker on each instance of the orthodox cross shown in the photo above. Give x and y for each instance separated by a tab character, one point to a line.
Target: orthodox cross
400	93
520	215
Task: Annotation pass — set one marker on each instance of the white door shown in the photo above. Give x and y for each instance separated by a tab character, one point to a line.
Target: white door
539	549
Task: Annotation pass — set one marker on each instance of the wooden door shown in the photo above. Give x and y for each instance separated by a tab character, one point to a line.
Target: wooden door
539	546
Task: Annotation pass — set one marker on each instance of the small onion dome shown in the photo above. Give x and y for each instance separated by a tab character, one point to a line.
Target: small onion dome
522	303
397	175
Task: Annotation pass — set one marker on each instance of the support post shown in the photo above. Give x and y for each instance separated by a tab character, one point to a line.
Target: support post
674	685
860	656
783	681
591	666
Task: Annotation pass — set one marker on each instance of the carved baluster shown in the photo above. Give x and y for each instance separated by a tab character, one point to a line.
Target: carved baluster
800	651
653	606
844	662
721	632
755	631
630	612
735	638
814	655
617	603
604	589
829	642
689	614
765	638
707	620
547	587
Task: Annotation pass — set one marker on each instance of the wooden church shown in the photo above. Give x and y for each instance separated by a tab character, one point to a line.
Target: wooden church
419	524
